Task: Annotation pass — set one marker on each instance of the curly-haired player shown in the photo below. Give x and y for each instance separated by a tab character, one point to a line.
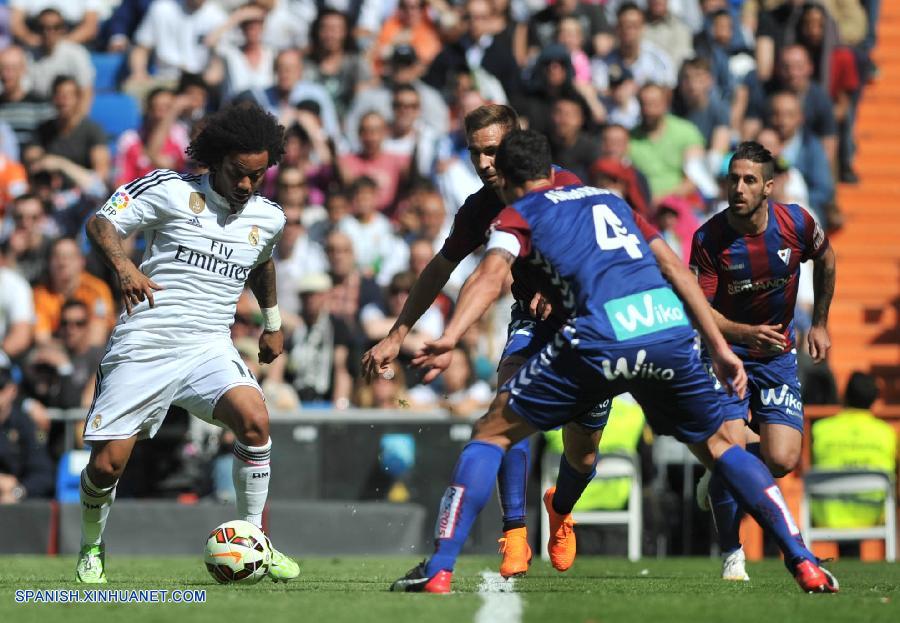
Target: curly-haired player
207	236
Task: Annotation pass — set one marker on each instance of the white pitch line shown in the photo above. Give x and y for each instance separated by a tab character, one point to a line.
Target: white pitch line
501	602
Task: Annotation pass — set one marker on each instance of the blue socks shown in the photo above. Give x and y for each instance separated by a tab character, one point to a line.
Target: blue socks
511	484
471	485
570	484
753	486
727	513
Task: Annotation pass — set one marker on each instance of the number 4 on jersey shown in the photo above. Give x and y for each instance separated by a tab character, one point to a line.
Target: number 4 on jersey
606	221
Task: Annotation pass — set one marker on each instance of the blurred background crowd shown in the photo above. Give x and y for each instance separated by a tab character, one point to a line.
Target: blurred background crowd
645	98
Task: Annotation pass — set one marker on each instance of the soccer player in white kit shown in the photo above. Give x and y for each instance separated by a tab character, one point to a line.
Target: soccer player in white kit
207	235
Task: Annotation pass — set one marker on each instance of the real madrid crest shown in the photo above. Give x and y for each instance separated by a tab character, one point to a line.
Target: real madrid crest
197	202
95	423
254	236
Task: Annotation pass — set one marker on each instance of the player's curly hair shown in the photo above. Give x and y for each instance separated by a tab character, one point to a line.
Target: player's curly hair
242	128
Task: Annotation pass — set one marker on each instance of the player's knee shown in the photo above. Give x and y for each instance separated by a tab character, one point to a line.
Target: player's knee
254	429
782	462
105	469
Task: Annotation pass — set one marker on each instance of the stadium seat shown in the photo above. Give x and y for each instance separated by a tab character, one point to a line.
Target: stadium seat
609	466
115	112
825	484
108	67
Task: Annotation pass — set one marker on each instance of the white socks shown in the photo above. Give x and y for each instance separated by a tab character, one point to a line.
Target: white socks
250	472
95	504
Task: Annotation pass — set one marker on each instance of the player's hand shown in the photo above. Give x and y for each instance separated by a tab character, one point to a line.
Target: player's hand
271	344
729	369
818	342
435	357
540	307
377	360
136	286
765	337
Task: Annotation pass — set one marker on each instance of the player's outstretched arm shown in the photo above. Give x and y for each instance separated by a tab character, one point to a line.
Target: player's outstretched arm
727	366
824	276
424	291
135	284
262	283
481	290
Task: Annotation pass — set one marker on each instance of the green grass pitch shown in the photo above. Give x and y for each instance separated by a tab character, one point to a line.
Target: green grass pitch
595	590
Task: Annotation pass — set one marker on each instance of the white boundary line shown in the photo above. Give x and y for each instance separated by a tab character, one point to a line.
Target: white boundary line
501	602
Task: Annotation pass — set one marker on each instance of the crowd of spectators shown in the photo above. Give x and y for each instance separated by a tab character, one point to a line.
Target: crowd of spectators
645	98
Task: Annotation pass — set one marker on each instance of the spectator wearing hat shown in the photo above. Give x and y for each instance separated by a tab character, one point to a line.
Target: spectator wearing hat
25	467
551	76
403	68
319	350
622	106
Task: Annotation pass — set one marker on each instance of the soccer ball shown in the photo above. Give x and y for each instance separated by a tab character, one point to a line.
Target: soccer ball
237	551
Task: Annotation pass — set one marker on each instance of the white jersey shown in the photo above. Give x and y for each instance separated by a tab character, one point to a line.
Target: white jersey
197	250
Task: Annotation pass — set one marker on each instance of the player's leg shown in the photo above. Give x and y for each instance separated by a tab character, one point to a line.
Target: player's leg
576	470
757	492
688	406
98	491
780	447
512	480
128	405
220	389
471	486
728	514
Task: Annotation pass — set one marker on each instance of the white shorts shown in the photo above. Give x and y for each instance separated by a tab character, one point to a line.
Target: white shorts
136	385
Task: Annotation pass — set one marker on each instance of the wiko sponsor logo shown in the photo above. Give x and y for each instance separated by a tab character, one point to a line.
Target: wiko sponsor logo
639	370
784	397
645	312
448	512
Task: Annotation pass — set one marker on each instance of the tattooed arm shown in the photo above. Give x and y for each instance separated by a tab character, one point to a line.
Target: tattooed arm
262	284
135	284
824	274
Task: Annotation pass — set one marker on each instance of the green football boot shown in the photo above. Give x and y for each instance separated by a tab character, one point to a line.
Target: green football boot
90	567
282	567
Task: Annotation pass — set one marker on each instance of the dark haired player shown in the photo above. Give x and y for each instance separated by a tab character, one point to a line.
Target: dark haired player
207	236
747	259
608	281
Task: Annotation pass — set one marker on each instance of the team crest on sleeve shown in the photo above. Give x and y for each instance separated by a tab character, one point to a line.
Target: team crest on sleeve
253	237
120	200
197	202
95	423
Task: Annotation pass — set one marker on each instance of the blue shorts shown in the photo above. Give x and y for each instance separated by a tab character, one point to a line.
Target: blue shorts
563	383
773	392
526	337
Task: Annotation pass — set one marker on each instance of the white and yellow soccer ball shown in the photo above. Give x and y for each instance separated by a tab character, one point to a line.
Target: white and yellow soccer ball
237	552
